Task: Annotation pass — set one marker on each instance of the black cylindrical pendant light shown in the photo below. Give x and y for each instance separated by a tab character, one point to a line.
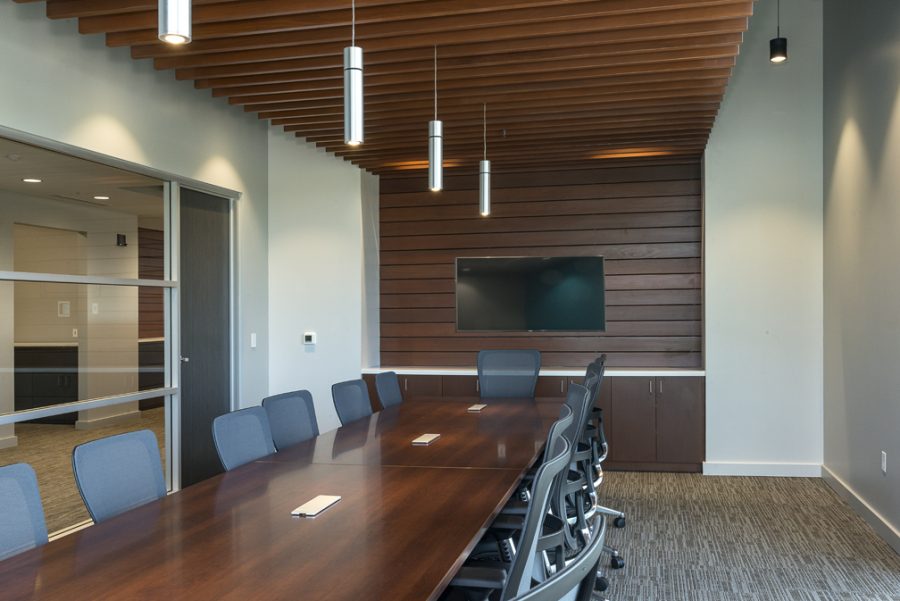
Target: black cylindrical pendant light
778	45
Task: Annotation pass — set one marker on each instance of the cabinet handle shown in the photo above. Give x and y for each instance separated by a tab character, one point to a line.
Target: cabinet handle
659	386
477	386
405	383
651	385
561	382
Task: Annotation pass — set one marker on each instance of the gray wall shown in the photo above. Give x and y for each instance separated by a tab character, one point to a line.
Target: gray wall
763	271
862	246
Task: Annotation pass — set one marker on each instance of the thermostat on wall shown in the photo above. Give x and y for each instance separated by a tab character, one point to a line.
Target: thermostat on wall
309	337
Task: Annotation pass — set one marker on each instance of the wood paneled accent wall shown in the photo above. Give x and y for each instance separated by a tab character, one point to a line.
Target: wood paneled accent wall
151	253
645	218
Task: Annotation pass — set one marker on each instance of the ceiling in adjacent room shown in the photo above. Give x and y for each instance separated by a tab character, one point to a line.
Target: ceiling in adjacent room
566	81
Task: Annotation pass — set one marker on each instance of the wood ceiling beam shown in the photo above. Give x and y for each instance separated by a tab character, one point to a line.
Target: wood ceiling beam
484	66
599	109
68	9
574	160
496	122
480	94
697	92
426	33
482	53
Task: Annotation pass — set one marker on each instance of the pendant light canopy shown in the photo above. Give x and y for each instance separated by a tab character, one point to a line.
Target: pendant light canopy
175	21
778	45
353	87
435	143
484	175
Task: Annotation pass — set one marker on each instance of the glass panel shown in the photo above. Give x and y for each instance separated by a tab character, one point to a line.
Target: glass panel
47	447
60	214
61	343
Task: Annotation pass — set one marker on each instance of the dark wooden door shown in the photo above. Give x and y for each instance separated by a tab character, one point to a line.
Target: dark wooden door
680	420
205	285
633	420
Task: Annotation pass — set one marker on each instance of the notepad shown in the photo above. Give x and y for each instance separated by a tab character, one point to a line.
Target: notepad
425	439
476	408
314	507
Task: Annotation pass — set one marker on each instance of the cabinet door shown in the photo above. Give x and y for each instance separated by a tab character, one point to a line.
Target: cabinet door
420	386
551	386
680	418
633	420
459	386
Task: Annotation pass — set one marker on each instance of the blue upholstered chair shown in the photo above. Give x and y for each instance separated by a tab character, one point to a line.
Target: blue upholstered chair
118	473
242	436
507	374
351	400
22	524
388	386
292	417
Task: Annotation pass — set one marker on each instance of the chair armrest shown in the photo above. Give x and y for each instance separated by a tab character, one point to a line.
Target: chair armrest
480	577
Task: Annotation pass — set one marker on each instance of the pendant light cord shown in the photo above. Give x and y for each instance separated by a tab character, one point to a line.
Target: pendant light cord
778	26
435	83
484	123
353	22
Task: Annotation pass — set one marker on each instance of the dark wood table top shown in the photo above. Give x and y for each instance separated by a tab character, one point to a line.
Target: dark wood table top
400	531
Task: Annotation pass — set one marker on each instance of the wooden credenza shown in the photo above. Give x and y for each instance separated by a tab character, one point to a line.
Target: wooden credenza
652	422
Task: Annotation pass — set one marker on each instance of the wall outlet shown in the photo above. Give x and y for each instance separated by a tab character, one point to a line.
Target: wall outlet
74	332
309	337
884	462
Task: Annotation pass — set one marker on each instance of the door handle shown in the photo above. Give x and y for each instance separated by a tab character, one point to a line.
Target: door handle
185	359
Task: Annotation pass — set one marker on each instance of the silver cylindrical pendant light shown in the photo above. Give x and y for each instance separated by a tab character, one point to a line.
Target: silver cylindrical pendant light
435	156
435	143
484	176
353	87
175	21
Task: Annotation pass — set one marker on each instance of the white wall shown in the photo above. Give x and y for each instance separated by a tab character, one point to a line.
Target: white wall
62	85
862	282
316	270
763	227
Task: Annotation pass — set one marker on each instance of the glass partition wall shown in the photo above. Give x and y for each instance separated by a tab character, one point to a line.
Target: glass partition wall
85	314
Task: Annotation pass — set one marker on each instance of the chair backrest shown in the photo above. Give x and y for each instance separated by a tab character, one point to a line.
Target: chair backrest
579	400
520	571
575	582
388	386
593	376
292	417
242	436
118	473
351	400
22	524
507	374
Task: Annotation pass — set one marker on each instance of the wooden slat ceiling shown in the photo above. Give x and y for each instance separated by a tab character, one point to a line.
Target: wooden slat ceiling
566	81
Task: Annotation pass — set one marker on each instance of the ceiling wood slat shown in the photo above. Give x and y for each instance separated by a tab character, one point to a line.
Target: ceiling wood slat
568	83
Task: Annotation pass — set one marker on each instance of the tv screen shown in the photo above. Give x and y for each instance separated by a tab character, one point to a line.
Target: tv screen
530	294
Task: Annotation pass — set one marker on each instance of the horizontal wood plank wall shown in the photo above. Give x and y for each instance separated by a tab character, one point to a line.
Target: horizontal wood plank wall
646	219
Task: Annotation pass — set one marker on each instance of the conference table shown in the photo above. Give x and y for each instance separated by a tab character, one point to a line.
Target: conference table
408	517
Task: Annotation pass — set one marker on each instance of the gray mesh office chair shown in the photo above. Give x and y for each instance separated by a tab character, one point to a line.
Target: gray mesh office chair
292	418
388	386
22	524
507	374
575	582
242	436
118	473
351	400
517	579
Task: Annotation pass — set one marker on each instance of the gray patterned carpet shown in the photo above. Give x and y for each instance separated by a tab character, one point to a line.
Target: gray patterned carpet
696	538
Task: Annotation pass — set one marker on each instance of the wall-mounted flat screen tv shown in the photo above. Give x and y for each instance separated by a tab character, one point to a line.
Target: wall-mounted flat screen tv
530	294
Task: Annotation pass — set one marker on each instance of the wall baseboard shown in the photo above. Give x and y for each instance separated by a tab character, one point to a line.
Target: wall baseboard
112	420
885	529
8	442
747	468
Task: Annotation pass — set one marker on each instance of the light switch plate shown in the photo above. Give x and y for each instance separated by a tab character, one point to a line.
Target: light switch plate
309	337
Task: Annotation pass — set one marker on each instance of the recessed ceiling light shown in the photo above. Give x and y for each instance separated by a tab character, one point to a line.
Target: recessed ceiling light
101	198
32	180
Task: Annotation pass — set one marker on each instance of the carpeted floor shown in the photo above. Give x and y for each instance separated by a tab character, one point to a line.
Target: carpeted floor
48	449
696	538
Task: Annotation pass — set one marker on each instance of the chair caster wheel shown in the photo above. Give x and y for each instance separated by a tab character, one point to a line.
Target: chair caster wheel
616	562
619	522
601	584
